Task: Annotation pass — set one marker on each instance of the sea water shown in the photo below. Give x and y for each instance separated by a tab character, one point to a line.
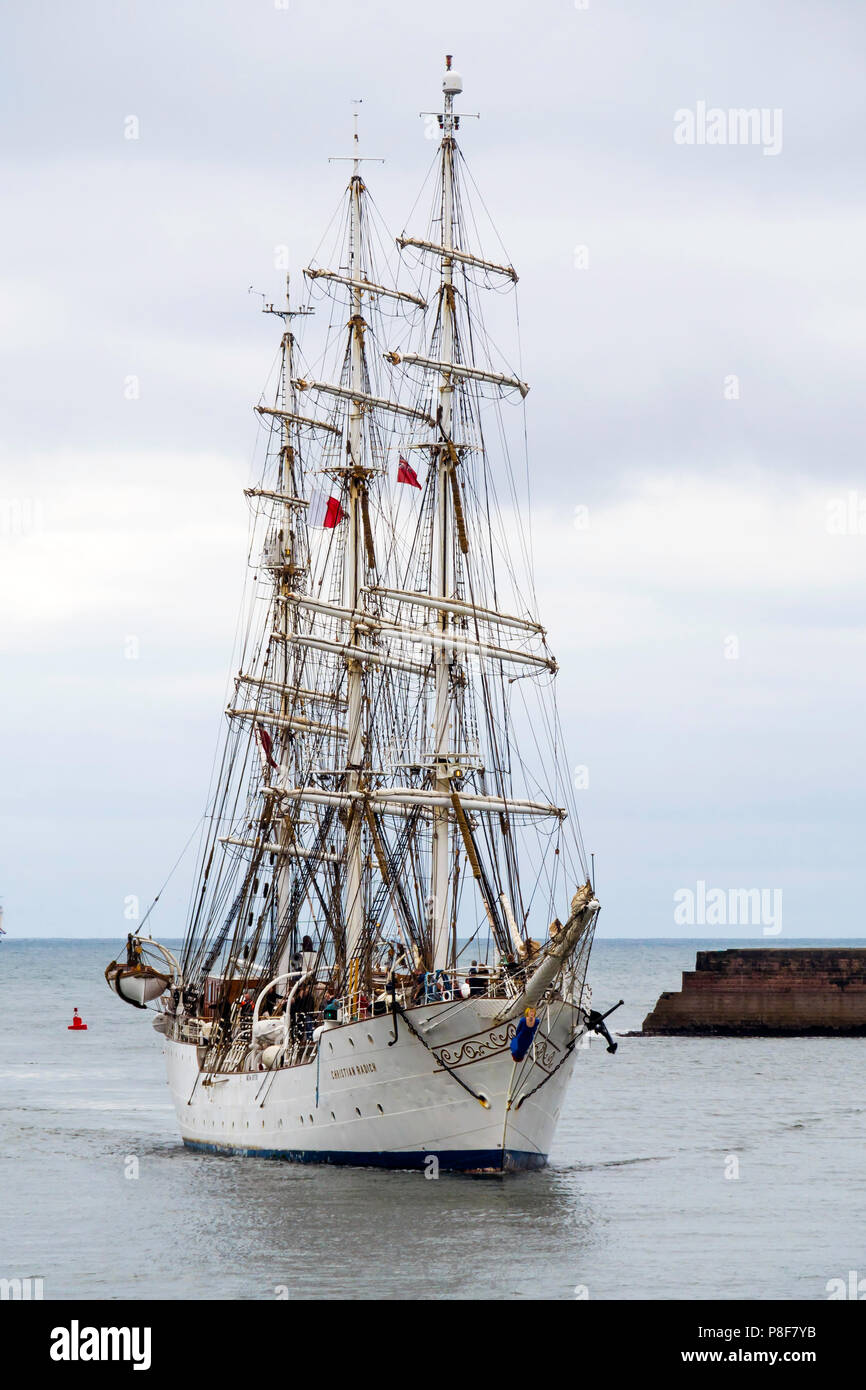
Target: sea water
681	1168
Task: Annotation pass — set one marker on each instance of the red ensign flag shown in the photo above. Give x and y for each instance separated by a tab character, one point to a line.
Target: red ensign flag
325	511
406	473
265	742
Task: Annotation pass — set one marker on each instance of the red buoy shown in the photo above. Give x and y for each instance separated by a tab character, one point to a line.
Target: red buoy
77	1025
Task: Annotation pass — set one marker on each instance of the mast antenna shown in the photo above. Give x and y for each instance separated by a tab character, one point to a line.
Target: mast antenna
452	86
355	157
288	313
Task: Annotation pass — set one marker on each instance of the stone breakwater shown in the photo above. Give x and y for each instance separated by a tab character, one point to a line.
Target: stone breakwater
765	992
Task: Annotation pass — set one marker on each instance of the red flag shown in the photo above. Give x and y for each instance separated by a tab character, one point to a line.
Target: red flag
266	743
334	514
406	473
325	511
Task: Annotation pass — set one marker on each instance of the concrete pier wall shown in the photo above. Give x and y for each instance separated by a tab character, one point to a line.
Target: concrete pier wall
767	991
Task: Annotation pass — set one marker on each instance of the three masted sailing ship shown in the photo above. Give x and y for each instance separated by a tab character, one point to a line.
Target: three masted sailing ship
375	971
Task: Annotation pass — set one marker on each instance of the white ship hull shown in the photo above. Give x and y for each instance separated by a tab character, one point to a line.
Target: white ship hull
361	1101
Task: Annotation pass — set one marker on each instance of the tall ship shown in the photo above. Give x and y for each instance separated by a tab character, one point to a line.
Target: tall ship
385	961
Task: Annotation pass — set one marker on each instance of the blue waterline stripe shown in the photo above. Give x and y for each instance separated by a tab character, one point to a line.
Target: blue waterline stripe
451	1160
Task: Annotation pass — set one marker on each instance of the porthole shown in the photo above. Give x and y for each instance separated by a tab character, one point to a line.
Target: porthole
311	1120
301	1118
369	1037
380	1110
357	1111
351	1042
333	1116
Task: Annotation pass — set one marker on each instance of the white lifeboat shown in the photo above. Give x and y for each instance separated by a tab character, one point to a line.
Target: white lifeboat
136	980
137	984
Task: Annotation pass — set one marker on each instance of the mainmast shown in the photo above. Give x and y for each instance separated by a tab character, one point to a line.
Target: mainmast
442	576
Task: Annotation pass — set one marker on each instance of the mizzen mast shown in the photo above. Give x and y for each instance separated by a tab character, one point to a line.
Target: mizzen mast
286	580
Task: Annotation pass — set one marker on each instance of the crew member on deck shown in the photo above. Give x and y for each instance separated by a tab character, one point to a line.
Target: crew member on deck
477	985
308	954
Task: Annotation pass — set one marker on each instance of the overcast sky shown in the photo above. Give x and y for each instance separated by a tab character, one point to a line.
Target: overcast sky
693	321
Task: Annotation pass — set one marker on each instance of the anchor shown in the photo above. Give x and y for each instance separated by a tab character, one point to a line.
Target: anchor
596	1024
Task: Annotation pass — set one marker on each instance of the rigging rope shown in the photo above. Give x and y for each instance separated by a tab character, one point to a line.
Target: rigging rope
482	1100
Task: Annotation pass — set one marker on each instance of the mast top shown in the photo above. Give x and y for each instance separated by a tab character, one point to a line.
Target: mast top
355	158
288	313
452	82
452	86
356	150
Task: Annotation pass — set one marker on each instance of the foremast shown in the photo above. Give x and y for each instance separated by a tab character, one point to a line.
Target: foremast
451	831
443	578
470	800
353	591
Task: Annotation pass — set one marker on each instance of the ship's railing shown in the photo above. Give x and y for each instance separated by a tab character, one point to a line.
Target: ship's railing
298	1045
433	987
481	982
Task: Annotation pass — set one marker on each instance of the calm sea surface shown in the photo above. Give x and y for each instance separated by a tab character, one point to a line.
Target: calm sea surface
635	1203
